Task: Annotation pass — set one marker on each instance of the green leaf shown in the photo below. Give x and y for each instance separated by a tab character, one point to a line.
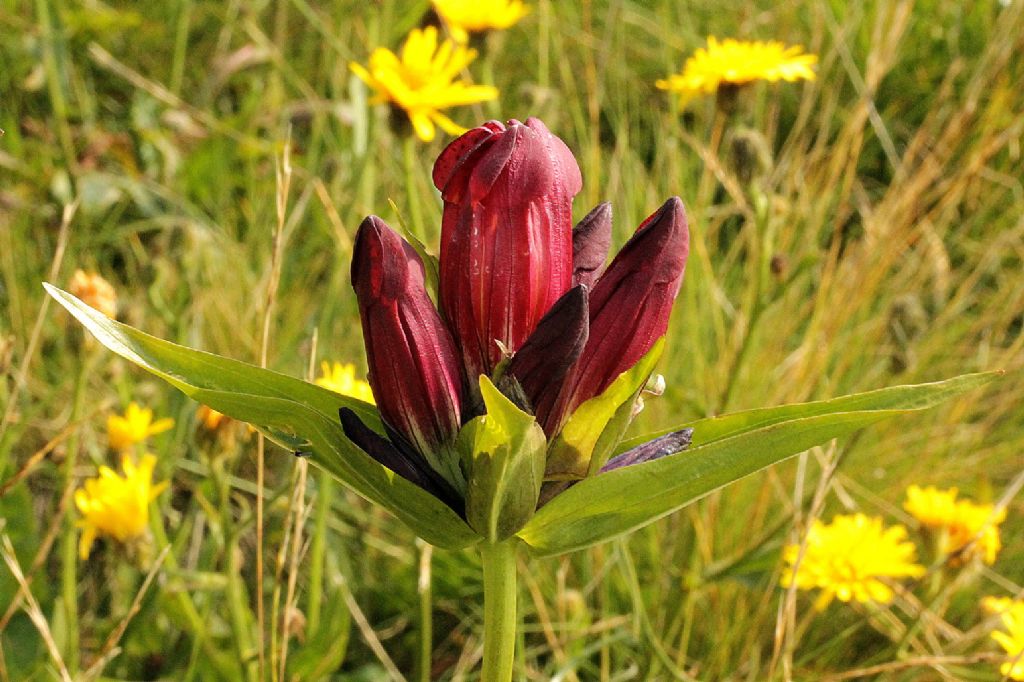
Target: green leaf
187	369
619	501
895	397
506	453
595	428
295	413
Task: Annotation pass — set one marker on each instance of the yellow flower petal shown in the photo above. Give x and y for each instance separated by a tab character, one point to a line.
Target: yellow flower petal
465	16
341	378
963	530
446	124
422	79
124	432
117	505
94	291
735	62
422	124
850	558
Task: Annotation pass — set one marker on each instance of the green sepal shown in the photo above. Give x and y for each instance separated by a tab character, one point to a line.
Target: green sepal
299	415
504	451
589	437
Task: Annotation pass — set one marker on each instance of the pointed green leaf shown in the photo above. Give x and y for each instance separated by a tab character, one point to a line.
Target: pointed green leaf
292	412
595	428
505	454
625	499
187	369
894	397
329	449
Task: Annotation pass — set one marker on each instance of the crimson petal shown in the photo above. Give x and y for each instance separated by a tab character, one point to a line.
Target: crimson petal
553	347
629	307
414	368
506	235
591	240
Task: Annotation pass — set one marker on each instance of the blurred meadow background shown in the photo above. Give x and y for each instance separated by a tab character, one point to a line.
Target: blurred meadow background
860	230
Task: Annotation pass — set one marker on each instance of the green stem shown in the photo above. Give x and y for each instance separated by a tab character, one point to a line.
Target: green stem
499	563
426	612
69	541
186	614
52	43
317	553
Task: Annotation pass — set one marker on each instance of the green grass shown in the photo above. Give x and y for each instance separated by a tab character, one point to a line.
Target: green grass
889	193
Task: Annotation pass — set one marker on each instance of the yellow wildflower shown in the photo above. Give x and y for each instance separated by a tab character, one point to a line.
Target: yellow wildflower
115	505
1012	641
738	62
962	528
422	81
342	379
94	291
209	418
134	427
998	605
848	558
463	17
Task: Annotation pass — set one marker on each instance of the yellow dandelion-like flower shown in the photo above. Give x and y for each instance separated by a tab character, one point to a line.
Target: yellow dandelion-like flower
117	506
210	419
342	379
962	529
738	62
1012	641
998	605
463	17
849	558
134	427
422	81
94	291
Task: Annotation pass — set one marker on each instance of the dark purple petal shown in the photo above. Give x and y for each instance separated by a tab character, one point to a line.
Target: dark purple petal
591	240
506	235
553	347
415	371
409	466
629	307
669	444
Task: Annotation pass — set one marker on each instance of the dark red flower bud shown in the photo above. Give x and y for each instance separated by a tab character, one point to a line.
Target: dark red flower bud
629	308
591	240
553	347
415	371
506	235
